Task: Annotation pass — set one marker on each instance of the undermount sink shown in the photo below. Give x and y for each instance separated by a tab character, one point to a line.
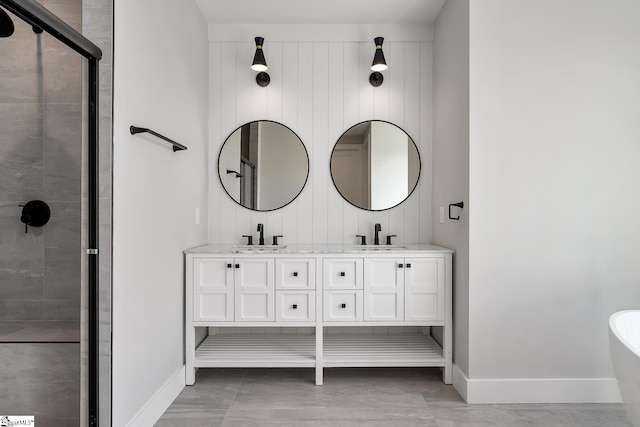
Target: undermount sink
378	247
258	248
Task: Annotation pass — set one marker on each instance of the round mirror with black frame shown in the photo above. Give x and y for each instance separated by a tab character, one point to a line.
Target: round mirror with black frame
375	165
263	165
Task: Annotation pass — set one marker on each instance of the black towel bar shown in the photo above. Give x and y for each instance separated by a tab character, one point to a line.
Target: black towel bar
176	146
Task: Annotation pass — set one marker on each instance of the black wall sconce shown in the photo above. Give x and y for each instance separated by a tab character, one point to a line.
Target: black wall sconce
379	64
260	64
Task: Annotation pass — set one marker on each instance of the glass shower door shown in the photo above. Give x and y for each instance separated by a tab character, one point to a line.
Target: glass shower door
41	134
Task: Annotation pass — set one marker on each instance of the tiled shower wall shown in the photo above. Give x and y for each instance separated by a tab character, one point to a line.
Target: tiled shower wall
40	158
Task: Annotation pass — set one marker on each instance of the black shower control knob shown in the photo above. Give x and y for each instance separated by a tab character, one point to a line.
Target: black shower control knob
35	213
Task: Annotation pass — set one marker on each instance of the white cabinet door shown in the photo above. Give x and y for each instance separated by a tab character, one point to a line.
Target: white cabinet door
295	274
383	289
213	289
424	289
254	290
342	273
295	306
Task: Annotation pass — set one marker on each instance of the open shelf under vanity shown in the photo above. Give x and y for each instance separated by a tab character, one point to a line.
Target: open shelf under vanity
283	347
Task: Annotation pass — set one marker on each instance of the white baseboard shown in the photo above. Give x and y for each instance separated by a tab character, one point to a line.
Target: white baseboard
161	400
536	390
460	381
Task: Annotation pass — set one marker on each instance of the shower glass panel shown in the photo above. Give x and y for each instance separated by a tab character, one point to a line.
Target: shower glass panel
41	140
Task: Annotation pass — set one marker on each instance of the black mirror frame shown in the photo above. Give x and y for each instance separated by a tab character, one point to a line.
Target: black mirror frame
306	152
410	192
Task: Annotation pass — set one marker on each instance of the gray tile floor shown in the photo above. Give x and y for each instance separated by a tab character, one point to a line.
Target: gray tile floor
41	380
358	397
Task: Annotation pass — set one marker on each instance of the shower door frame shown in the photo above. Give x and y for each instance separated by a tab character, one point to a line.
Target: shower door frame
36	15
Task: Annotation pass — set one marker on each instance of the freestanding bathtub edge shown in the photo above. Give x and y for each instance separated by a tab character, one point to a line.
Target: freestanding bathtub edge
624	343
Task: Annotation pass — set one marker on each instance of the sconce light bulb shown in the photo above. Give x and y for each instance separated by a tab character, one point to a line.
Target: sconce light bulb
259	67
379	67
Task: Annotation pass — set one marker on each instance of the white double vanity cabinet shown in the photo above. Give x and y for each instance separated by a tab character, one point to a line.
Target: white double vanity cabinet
319	306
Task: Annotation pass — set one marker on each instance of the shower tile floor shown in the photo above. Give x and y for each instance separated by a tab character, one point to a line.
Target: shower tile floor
41	380
39	331
359	397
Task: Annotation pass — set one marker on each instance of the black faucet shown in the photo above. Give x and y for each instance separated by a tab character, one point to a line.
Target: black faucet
376	239
261	230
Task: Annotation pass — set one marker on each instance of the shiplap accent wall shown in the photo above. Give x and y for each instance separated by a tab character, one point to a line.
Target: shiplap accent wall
320	89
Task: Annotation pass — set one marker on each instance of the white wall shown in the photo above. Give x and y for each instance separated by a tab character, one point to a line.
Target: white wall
160	82
320	89
553	238
451	159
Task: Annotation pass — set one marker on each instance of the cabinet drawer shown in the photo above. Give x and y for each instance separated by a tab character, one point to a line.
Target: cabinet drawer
295	274
342	306
295	306
342	273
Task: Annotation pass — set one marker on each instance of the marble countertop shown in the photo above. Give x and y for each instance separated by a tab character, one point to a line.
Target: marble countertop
218	248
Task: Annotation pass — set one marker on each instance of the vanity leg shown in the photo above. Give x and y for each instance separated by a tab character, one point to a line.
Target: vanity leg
319	375
448	332
190	376
190	372
189	329
447	373
319	351
447	369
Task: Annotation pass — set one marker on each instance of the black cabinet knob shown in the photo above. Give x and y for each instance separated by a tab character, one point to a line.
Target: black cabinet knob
294	306
229	265
343	305
295	274
342	274
237	265
400	265
408	265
